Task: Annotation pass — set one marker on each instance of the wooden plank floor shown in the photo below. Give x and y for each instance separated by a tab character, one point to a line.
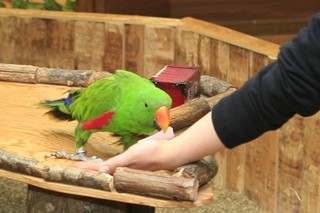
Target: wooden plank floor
26	132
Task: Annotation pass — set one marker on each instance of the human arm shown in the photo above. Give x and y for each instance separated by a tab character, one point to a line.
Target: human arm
290	85
196	142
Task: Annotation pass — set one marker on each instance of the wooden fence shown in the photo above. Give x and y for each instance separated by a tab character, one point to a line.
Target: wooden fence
279	171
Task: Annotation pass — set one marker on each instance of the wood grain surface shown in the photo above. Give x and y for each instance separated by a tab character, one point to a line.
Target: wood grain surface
26	132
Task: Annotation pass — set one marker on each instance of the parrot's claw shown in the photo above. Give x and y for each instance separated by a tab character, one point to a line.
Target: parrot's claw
79	156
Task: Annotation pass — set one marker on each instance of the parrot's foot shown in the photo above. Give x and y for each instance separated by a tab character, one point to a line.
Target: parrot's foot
78	156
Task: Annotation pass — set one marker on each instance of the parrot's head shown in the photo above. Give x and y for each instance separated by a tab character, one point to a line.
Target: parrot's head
152	109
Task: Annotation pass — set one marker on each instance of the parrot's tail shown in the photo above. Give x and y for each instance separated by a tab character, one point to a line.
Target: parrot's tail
58	109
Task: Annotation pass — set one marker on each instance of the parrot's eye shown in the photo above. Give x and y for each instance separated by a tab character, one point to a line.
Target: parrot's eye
146	105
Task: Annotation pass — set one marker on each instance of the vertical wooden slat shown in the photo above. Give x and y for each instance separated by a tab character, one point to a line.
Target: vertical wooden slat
220	59
61	43
114	47
186	48
261	157
23	41
205	54
310	195
290	172
219	68
8	35
158	49
260	171
89	45
134	48
30	42
257	62
220	178
239	66
235	168
237	74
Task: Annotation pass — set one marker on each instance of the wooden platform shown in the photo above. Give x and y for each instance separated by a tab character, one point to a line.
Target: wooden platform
26	132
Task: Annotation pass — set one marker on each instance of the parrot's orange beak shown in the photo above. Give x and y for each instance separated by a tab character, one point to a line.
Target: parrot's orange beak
163	118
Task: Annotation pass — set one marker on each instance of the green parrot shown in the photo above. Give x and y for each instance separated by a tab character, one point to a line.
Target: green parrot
125	104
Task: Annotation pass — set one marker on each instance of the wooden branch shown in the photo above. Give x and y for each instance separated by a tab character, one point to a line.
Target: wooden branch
155	184
33	74
19	164
79	177
211	86
182	187
182	184
17	73
69	175
187	114
204	170
64	77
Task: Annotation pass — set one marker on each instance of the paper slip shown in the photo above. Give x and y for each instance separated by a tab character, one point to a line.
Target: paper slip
160	135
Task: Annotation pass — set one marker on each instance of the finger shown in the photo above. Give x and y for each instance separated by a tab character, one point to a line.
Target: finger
92	165
111	164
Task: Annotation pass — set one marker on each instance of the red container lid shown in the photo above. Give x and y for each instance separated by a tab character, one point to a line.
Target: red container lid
175	74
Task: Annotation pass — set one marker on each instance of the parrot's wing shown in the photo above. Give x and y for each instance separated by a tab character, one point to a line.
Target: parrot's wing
98	101
99	122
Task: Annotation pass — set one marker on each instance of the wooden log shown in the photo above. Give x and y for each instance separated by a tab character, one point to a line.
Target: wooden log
155	184
204	170
211	86
181	184
64	77
181	188
68	175
188	113
79	177
32	74
18	73
19	164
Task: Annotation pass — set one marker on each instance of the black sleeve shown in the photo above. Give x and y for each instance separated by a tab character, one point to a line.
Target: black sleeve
288	86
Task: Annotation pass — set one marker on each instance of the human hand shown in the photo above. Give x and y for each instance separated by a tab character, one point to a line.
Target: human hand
150	155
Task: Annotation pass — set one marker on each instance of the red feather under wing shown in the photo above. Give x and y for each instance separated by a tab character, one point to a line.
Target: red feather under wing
99	122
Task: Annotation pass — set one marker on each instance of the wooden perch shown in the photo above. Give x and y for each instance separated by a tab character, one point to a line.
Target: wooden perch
19	164
79	177
182	184
155	184
190	112
33	74
211	86
69	175
204	170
